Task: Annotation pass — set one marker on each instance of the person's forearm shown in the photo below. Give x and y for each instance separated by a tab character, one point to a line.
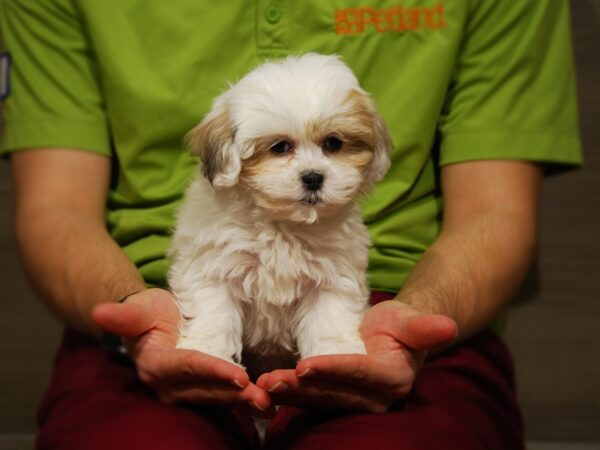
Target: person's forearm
73	263
473	269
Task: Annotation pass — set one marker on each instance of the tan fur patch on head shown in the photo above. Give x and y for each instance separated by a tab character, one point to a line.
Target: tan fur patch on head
262	155
357	125
359	159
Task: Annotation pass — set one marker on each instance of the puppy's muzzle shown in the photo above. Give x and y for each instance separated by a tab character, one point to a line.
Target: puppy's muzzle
313	181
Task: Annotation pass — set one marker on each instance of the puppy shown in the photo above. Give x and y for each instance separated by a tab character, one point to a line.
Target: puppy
270	252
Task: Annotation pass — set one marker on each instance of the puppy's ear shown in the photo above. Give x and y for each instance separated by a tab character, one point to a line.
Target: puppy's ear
376	131
383	148
213	140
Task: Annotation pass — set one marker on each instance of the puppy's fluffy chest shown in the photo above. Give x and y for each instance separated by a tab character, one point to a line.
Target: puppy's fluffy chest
279	268
222	240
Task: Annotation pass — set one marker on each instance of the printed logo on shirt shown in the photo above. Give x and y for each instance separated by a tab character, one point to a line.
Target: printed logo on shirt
396	19
4	75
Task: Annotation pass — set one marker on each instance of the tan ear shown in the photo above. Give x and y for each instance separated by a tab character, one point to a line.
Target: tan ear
383	148
213	140
376	131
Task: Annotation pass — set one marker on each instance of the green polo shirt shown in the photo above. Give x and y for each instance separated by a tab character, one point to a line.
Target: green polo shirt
456	80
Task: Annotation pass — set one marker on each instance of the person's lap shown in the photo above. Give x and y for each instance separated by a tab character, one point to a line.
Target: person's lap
464	399
96	401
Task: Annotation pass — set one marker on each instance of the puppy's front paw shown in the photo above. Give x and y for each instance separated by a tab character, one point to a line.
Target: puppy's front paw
216	350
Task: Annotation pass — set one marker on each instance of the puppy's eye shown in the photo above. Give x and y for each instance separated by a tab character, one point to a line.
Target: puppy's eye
281	147
332	143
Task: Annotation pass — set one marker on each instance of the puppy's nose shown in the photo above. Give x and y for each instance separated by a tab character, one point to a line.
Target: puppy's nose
312	180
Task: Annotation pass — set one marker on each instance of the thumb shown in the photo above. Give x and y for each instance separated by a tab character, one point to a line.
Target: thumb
125	319
425	332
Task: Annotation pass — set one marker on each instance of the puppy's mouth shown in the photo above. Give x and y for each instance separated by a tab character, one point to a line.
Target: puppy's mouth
312	199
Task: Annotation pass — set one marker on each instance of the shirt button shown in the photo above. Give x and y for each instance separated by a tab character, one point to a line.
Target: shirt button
273	14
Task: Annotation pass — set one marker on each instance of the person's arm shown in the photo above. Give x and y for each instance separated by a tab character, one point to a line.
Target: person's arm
80	272
487	242
68	254
466	277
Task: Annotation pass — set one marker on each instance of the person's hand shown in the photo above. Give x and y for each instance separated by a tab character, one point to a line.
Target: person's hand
148	322
396	337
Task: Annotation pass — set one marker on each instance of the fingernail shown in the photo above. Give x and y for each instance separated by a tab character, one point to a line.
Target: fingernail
307	373
258	407
237	384
278	387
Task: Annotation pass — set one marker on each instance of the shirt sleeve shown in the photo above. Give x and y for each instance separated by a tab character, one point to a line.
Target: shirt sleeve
55	98
513	92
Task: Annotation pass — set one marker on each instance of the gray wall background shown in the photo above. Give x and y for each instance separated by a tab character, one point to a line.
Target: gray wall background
554	337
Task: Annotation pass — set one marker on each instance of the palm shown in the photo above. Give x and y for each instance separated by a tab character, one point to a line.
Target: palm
148	322
386	354
161	313
396	338
376	336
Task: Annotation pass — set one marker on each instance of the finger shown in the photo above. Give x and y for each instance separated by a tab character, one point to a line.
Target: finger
256	397
251	398
252	410
321	394
124	319
425	332
261	381
268	379
189	366
360	370
407	325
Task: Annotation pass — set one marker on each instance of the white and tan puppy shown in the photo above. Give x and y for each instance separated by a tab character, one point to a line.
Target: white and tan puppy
270	251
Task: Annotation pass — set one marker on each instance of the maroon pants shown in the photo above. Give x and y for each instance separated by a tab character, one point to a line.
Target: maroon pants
463	400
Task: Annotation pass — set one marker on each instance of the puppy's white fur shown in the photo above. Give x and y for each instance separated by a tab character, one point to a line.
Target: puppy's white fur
260	261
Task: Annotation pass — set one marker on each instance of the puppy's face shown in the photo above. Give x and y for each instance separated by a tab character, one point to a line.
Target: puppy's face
300	137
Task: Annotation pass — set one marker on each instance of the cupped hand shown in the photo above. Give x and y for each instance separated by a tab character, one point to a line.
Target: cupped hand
396	337
148	323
